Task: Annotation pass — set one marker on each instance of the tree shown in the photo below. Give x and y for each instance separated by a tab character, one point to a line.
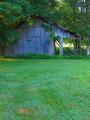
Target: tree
88	25
69	13
13	12
84	7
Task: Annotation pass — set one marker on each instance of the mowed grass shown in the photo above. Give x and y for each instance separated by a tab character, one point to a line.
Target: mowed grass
45	89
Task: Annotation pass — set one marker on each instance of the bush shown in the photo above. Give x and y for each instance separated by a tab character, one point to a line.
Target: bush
33	56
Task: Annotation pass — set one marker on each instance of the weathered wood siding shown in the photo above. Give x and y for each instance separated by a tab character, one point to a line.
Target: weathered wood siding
36	40
62	33
33	40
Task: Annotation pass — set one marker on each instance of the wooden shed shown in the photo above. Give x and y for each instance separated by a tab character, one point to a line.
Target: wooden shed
36	39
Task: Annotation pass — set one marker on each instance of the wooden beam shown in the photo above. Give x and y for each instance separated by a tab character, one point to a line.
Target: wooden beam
61	46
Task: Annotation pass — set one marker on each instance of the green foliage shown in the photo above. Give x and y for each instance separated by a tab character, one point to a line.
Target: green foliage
50	28
69	54
57	38
13	12
52	35
47	27
62	12
30	22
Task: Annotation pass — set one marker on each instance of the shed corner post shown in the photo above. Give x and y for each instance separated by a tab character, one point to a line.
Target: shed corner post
61	46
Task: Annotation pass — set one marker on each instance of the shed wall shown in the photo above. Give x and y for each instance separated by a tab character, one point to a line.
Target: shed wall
33	40
36	40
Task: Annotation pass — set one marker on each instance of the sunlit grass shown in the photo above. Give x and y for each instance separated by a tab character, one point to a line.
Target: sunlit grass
7	59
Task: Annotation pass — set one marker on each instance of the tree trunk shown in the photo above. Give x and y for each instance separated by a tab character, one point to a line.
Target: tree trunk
88	47
2	50
88	51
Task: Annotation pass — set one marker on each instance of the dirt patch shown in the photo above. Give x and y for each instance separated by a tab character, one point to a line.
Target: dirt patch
32	89
72	105
26	111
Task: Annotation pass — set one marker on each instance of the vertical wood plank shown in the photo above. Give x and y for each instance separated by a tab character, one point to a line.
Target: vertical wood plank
61	46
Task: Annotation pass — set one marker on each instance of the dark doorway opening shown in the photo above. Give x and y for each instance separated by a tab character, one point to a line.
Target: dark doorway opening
56	47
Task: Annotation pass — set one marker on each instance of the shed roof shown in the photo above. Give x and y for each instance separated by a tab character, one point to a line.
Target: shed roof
55	24
59	26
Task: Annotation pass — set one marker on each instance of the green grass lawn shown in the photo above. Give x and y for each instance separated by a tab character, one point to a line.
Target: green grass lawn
45	89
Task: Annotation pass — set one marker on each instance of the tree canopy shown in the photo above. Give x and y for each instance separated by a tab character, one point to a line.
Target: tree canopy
72	14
